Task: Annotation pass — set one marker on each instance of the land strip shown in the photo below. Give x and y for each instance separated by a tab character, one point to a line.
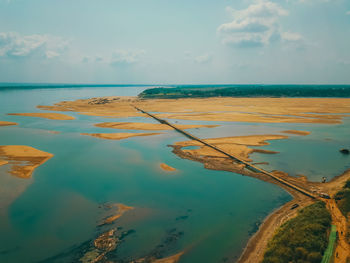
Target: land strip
147	126
50	116
24	159
7	123
118	136
256	110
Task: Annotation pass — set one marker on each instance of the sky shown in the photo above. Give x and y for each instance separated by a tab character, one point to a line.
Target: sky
175	41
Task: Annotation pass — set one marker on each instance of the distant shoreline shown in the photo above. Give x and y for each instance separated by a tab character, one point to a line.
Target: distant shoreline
248	91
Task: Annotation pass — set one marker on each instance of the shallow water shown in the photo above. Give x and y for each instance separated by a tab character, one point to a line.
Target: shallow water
53	215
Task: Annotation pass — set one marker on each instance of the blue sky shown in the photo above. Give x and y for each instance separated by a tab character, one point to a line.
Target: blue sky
175	41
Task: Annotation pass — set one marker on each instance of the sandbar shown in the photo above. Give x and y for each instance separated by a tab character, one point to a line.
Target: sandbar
50	116
54	132
24	159
103	244
3	162
147	126
7	123
262	110
167	168
104	107
237	146
121	209
118	136
296	132
172	259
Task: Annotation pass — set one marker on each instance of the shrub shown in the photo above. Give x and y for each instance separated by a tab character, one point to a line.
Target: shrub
302	239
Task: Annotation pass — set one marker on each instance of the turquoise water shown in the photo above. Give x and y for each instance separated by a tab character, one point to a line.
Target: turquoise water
315	156
53	216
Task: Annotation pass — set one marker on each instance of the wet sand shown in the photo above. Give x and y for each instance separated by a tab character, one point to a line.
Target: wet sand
118	136
107	241
295	132
147	126
121	209
24	159
172	259
261	110
50	116
21	162
237	146
3	162
7	123
104	107
167	168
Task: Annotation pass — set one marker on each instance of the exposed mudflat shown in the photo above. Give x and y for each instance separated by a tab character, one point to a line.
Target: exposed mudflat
24	159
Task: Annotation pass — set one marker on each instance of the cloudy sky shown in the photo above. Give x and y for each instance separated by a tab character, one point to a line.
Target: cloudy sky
175	41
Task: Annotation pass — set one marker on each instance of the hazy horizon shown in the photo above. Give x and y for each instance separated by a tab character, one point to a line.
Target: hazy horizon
241	42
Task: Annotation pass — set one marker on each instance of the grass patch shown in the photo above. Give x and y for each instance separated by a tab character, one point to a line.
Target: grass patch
343	199
302	239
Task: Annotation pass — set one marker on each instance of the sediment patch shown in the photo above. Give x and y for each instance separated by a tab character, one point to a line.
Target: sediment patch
7	123
296	132
118	136
24	159
167	168
147	126
50	116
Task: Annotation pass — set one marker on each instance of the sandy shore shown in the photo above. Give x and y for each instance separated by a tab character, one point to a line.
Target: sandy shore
24	159
50	116
7	123
263	110
167	168
255	249
118	136
147	126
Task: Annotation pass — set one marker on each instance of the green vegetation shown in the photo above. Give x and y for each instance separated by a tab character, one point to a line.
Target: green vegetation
247	91
343	202
302	239
327	257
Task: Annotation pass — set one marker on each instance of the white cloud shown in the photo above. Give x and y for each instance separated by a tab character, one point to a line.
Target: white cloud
344	62
314	1
117	58
348	13
293	40
206	58
255	26
13	44
122	57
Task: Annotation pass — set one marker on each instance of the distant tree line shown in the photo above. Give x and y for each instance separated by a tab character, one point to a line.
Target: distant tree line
341	91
